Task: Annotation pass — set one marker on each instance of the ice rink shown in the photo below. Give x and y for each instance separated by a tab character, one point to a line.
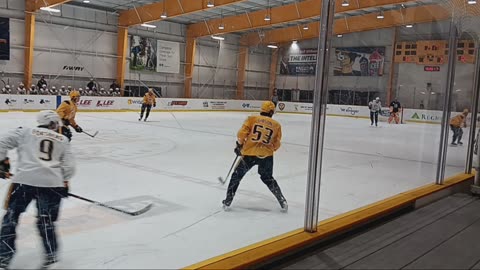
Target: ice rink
174	161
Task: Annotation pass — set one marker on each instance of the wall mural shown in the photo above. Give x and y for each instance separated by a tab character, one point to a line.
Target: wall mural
359	61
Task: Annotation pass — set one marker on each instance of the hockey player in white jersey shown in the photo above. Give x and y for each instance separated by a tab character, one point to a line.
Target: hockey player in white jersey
45	165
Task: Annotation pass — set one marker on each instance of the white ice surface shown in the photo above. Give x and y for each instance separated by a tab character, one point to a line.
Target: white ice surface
174	160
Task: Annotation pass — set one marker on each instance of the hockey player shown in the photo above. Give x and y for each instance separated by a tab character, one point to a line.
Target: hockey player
21	89
148	102
395	107
45	167
456	124
67	111
375	106
33	90
257	140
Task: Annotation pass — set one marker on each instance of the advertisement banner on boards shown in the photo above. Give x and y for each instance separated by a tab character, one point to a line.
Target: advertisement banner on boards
97	103
168	56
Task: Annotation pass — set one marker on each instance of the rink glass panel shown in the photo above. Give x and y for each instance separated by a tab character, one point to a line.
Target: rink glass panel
465	96
364	163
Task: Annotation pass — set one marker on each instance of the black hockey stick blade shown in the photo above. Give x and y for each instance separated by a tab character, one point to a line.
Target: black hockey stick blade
221	180
93	136
141	211
134	213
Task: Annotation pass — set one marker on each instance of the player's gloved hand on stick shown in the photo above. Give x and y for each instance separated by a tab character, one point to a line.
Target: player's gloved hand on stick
238	149
5	168
66	122
155	105
78	129
65	189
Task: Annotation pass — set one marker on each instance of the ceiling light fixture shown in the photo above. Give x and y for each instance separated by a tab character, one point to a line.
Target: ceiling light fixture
305	27
381	15
148	25
271	46
164	13
409	25
345	3
210	4
267	16
472	2
49	9
339	35
221	26
218	37
86	1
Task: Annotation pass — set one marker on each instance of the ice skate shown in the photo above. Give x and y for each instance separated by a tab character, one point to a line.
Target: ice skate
460	143
49	263
226	205
453	144
140	119
284	206
4	263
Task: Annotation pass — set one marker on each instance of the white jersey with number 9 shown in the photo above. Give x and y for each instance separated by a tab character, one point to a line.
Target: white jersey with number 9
44	156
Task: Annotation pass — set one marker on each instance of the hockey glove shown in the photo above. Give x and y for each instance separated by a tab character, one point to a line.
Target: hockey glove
5	168
238	149
66	132
66	122
65	189
78	129
155	105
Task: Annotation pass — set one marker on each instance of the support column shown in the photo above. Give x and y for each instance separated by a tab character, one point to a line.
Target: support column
122	43
447	102
242	66
320	97
392	71
29	43
473	122
190	50
273	72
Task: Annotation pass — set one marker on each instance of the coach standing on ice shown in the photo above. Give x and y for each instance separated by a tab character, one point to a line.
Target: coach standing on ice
45	166
375	106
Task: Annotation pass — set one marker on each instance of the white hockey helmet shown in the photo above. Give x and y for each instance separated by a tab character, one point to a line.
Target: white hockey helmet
44	118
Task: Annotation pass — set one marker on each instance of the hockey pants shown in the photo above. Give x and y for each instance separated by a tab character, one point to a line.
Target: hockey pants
148	107
48	205
457	133
265	169
374	117
393	115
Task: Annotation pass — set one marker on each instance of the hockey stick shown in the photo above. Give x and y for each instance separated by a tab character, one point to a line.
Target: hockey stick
224	180
93	136
134	213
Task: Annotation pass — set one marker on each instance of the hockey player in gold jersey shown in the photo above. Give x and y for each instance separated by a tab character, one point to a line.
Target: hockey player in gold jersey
148	102
67	111
257	141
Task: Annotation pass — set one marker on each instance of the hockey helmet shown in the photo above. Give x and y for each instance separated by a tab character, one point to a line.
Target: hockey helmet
267	107
46	117
74	94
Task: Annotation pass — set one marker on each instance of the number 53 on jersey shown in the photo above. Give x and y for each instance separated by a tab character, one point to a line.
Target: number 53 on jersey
260	136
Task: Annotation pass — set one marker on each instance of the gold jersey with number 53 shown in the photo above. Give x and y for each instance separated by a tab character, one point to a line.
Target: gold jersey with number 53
260	136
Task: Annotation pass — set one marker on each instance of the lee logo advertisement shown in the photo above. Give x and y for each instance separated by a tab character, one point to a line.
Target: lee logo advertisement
178	103
105	103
